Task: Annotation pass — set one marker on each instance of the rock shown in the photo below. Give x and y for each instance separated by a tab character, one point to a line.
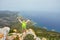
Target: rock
4	32
44	38
23	35
11	37
37	38
30	31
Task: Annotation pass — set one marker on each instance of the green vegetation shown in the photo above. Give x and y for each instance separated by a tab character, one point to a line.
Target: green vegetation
11	21
29	37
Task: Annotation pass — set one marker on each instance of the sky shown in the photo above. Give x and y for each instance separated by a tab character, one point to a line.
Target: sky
30	5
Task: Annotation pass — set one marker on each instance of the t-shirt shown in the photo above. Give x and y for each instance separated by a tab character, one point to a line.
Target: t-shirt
24	24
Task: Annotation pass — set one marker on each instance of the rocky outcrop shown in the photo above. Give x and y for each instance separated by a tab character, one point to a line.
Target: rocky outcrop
23	35
4	32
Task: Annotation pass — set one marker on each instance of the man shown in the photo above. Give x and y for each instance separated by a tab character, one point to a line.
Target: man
24	24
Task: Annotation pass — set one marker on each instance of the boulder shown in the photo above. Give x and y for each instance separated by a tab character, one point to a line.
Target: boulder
4	32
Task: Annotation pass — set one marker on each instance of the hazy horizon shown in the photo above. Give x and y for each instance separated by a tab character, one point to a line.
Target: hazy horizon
30	5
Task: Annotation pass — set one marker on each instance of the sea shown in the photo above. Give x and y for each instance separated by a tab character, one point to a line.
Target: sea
48	20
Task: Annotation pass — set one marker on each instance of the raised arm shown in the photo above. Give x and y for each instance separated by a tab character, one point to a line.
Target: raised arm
27	21
19	20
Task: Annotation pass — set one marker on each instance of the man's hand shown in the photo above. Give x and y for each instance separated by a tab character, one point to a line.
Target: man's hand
27	21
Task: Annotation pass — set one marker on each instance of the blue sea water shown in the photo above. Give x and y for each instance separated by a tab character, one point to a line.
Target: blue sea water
49	20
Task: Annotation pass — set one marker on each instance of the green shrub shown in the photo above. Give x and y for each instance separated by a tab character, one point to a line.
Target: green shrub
29	37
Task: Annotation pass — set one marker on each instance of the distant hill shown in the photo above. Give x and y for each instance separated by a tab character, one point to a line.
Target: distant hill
7	17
